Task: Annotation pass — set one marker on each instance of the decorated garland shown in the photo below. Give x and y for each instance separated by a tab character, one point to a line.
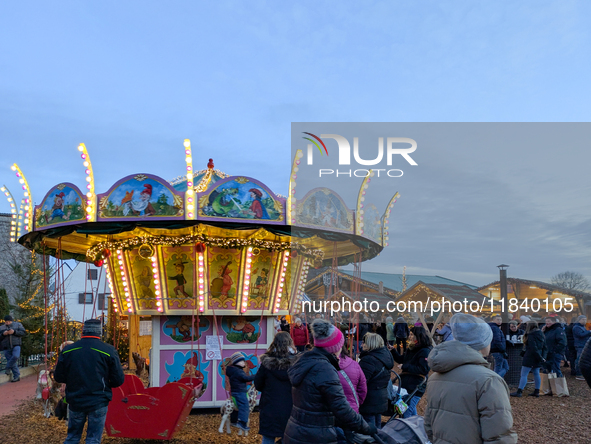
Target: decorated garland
102	250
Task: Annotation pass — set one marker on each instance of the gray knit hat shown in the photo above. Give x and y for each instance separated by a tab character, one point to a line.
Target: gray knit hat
92	327
471	331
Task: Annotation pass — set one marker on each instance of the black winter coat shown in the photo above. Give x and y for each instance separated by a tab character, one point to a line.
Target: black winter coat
570	339
401	330
8	342
498	344
275	405
585	363
414	365
90	369
318	401
238	379
376	366
555	339
535	349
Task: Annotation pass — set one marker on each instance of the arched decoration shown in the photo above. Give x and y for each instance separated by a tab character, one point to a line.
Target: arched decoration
63	205
359	223
372	223
141	196
386	219
241	198
323	208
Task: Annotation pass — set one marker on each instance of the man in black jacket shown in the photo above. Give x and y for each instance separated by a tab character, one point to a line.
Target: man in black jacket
90	369
10	341
498	346
556	343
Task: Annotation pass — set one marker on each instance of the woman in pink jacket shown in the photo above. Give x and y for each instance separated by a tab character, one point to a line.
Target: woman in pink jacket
354	385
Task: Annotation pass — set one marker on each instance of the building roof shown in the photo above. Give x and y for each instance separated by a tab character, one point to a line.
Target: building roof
394	281
543	285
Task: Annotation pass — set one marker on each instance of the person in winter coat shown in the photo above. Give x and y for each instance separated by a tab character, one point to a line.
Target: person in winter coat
498	346
580	336
414	366
571	351
284	325
90	369
466	401
514	331
11	333
238	380
585	362
534	356
318	398
299	334
376	363
445	332
401	331
354	386
390	336
556	345
272	381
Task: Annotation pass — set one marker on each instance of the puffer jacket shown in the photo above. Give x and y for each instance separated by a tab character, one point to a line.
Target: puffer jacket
272	381
570	339
535	349
581	335
555	339
401	329
319	402
466	401
376	365
357	378
238	379
299	335
498	344
8	342
585	363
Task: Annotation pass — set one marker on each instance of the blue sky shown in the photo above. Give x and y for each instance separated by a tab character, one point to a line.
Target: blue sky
133	79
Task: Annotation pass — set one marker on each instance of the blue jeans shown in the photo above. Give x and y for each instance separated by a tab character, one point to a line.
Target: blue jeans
268	440
243	407
554	360
412	407
12	356
96	424
537	379
579	351
501	364
374	419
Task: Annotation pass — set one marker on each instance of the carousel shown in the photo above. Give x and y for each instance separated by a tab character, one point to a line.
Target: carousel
200	266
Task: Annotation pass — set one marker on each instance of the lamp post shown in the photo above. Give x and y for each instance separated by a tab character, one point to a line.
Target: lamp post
503	284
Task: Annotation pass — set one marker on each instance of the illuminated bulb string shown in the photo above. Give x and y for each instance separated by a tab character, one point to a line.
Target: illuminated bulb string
14	227
124	282
110	280
27	206
90	196
281	281
201	270
189	198
246	284
156	276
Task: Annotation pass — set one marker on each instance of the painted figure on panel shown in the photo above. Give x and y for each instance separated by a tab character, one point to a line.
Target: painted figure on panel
222	285
179	328
241	329
261	284
61	205
145	281
141	207
179	290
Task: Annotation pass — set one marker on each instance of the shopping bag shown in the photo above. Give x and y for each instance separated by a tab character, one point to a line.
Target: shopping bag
545	388
559	386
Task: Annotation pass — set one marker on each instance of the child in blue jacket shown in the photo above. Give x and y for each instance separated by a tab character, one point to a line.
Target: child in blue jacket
238	380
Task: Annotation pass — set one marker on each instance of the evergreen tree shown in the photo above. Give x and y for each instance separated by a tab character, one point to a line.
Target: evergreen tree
4	304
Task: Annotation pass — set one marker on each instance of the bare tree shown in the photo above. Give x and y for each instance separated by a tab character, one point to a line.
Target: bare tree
571	280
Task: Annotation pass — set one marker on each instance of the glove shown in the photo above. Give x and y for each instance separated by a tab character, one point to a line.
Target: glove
372	429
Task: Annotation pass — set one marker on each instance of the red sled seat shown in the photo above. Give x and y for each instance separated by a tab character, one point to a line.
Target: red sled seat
152	413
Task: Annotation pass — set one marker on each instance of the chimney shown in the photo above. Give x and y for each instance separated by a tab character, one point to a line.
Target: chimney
503	284
381	287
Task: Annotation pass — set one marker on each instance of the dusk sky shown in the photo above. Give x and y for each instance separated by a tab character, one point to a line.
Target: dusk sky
133	79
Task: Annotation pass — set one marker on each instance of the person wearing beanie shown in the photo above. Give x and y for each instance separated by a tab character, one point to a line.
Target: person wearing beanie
376	362
11	333
466	401
90	369
534	356
318	398
580	335
238	380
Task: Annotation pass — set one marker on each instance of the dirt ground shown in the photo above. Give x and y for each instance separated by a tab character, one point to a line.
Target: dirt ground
537	421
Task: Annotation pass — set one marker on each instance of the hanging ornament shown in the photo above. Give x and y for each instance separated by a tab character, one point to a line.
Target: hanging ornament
146	251
294	254
99	263
255	251
200	247
106	253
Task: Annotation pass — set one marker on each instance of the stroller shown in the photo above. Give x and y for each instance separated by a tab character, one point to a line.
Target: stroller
400	430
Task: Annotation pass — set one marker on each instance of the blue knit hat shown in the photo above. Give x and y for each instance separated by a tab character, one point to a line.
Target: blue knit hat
470	330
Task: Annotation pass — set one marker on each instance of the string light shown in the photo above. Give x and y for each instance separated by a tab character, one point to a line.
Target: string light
386	219
302	282
360	199
246	283
28	213
111	287
201	273
125	283
90	196
221	242
291	199
189	194
156	275
285	261
14	227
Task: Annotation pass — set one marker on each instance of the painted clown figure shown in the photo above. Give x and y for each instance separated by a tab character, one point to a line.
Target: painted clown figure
257	209
141	207
58	208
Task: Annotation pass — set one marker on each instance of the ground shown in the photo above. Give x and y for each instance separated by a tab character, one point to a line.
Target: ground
537	421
